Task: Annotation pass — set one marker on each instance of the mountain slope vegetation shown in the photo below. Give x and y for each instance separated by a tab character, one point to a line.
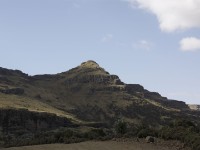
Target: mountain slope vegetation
86	95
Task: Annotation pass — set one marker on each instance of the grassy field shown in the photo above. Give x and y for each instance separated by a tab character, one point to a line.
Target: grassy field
106	145
31	104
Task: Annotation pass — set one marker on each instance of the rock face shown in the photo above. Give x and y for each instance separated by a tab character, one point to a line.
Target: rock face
96	79
175	104
90	64
132	88
136	88
12	120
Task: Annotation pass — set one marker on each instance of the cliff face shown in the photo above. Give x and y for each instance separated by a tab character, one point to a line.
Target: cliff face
87	93
14	120
136	89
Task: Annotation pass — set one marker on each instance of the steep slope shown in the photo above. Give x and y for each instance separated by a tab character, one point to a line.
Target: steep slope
91	94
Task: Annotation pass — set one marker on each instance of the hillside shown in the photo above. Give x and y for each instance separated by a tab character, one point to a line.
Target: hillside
86	95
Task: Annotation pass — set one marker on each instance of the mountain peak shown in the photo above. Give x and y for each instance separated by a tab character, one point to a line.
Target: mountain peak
90	64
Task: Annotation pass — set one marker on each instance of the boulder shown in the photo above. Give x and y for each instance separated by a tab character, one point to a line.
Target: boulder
150	139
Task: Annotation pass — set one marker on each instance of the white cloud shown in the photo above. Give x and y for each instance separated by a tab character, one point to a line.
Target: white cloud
142	44
107	38
190	44
172	14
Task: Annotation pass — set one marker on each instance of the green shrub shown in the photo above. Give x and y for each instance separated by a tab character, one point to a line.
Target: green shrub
96	134
142	133
120	127
184	131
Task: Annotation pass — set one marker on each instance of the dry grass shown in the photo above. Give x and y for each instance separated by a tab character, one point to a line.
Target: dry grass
20	102
161	106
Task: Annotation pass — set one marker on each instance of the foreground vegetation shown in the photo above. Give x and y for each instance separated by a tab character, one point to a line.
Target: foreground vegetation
181	130
184	131
82	104
62	135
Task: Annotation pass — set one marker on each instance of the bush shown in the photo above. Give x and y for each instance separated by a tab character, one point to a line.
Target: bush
184	131
95	134
183	123
120	127
143	132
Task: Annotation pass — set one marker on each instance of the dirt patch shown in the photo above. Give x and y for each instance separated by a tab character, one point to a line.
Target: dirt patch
106	145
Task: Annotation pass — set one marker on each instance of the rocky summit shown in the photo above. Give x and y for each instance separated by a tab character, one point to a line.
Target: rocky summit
90	64
86	95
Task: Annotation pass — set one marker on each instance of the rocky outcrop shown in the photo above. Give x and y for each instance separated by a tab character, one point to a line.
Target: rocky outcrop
133	88
108	88
16	91
7	72
97	79
139	91
175	104
90	64
153	95
12	120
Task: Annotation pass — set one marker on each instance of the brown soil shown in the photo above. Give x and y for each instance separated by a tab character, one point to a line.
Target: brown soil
106	145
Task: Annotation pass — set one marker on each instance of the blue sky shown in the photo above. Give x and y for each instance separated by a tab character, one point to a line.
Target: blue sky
136	39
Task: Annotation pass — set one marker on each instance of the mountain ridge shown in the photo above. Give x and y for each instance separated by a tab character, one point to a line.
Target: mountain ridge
84	97
88	64
87	73
85	65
